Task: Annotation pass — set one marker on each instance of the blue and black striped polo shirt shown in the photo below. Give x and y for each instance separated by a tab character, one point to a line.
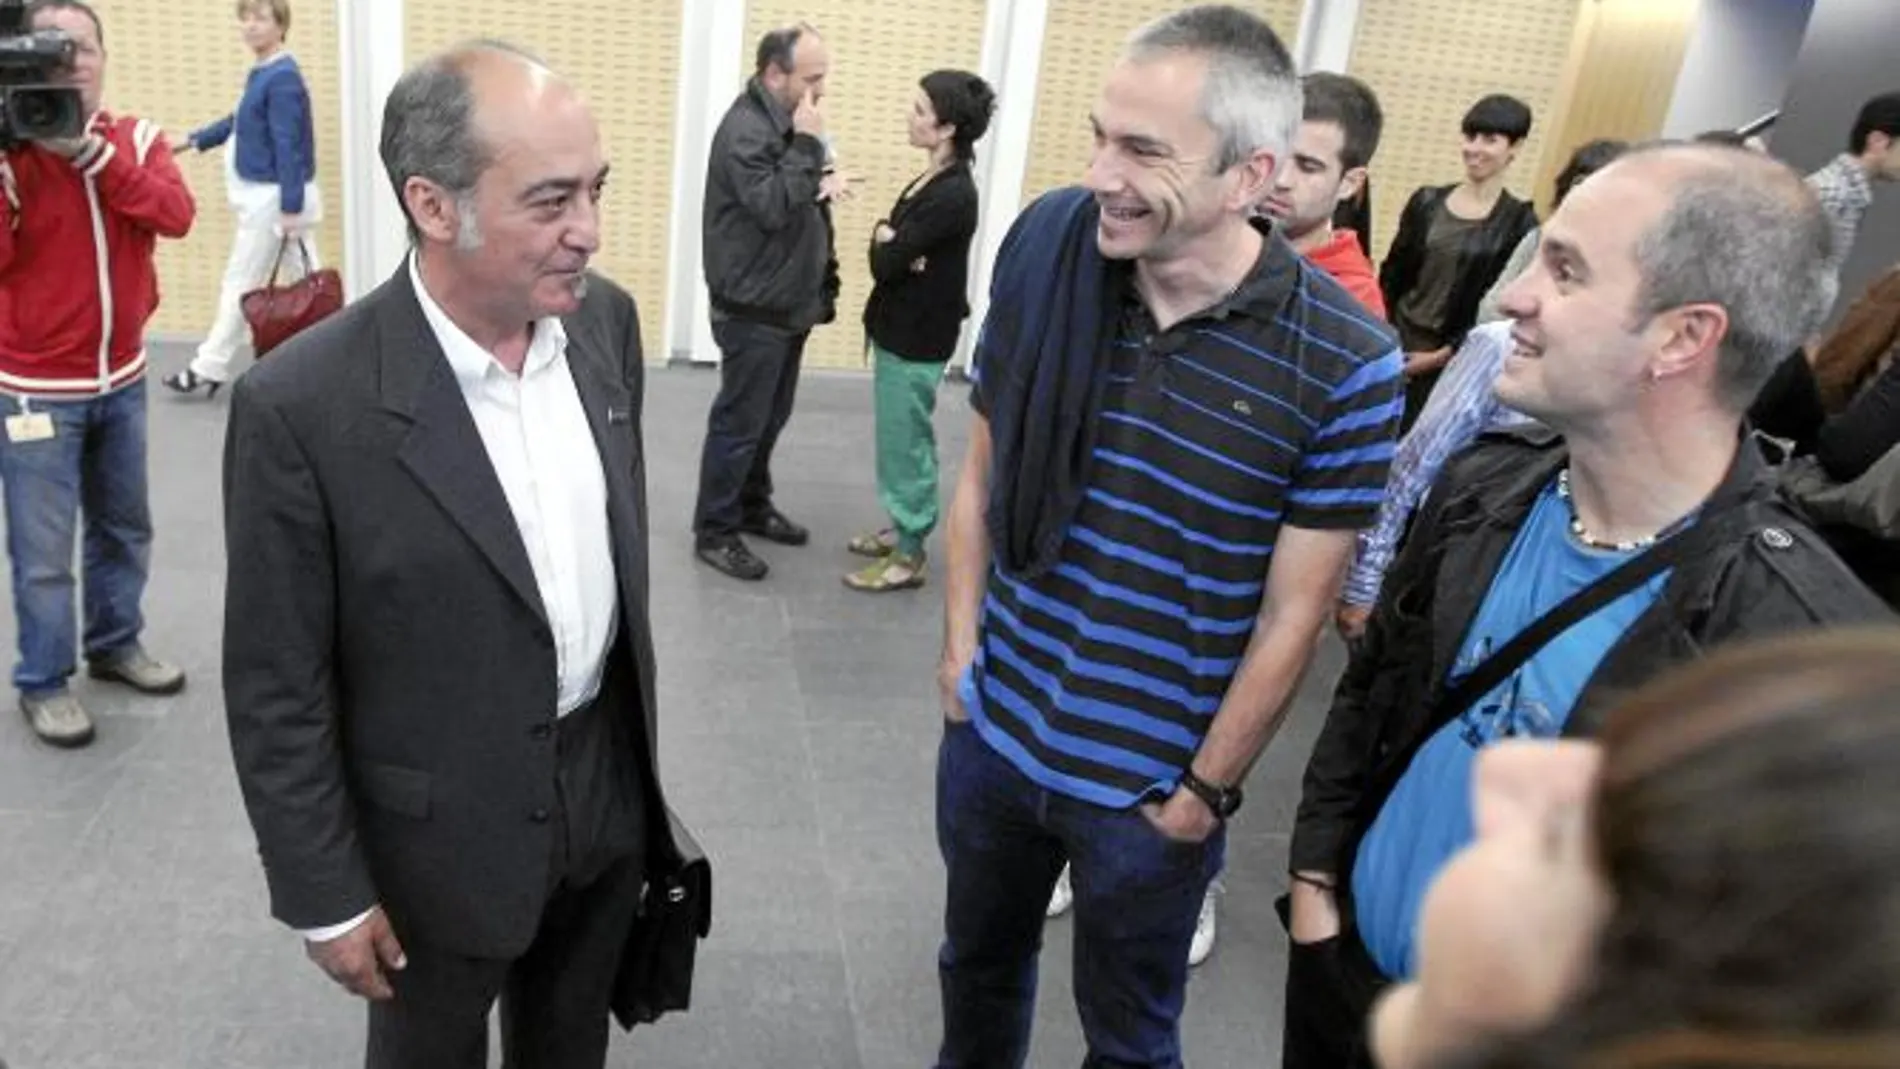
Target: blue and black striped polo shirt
1099	678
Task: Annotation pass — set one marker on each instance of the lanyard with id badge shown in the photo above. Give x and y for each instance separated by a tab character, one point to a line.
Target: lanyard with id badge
29	426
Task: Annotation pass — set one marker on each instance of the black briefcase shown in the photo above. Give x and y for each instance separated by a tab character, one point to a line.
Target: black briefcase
656	968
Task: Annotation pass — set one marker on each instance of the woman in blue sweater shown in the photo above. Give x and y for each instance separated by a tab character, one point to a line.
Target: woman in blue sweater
920	259
270	170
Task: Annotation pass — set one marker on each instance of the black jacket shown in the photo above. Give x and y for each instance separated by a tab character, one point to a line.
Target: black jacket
1855	440
917	315
390	677
766	237
1778	576
1487	249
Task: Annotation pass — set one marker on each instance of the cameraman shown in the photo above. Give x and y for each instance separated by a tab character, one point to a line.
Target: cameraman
79	224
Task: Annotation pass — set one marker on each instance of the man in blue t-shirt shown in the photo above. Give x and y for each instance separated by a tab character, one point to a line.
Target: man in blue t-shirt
1666	288
1180	425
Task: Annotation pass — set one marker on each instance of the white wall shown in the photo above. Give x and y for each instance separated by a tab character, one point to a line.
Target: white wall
1738	63
375	238
1848	56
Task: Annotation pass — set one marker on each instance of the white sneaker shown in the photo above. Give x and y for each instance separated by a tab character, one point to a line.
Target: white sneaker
1063	897
1204	927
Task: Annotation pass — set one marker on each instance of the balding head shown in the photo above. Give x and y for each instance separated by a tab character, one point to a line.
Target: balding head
1741	230
791	62
499	166
437	120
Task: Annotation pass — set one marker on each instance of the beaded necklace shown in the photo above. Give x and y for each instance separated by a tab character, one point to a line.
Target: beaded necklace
1581	534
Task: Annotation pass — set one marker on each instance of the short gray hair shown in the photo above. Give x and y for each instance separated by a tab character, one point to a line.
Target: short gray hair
1743	231
429	125
1252	96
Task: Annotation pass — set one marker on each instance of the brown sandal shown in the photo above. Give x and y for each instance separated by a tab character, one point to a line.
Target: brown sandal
895	572
874	544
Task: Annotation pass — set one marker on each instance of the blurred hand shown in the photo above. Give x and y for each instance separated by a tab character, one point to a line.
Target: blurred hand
883	233
949	672
1421	362
836	187
361	958
178	143
1351	620
1183	817
292	226
806	118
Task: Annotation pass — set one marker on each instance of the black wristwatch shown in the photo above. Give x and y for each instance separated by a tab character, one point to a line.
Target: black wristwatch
1224	801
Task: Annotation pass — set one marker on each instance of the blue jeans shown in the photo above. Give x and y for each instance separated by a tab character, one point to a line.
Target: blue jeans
1137	895
93	465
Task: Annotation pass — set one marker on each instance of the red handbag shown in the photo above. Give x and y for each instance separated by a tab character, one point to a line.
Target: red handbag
277	313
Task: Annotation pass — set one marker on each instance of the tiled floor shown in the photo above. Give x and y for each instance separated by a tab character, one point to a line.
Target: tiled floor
798	738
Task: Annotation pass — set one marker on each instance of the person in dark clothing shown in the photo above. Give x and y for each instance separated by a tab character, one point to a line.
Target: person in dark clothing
1636	342
1850	443
1847	447
1452	243
920	259
1789	405
1355	214
772	276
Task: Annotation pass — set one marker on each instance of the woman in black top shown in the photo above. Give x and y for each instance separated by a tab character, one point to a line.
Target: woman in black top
920	260
1451	244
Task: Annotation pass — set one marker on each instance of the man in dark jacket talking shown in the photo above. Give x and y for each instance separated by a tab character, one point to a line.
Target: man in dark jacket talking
772	276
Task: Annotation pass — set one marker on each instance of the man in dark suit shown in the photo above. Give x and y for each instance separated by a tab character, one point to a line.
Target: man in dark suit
438	666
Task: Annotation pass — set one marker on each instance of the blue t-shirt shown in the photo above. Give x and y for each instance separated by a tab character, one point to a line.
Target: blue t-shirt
1427	819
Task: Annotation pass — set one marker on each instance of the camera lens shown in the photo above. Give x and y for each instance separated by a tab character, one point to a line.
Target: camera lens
31	111
44	111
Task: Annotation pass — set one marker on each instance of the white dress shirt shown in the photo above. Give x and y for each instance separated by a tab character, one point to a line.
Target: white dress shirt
544	454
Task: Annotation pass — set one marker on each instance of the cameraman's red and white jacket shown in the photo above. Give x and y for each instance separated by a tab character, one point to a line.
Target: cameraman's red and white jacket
77	238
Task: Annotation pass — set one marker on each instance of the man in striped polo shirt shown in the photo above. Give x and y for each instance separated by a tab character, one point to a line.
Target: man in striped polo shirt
1106	689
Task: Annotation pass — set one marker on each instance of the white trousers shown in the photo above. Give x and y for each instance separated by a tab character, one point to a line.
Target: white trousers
253	254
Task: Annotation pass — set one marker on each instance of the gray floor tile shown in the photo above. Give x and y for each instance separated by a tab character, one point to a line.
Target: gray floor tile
875	778
755	1011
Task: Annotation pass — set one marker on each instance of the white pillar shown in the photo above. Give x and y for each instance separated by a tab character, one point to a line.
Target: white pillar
712	71
1012	63
370	43
1326	32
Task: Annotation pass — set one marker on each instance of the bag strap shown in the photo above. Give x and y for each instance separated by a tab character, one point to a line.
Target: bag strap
277	265
1704	534
283	246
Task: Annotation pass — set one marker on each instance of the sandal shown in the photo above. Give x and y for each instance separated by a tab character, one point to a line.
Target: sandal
877	544
895	572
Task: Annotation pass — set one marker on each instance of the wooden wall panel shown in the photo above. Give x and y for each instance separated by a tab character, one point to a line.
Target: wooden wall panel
1625	58
878	52
625	58
1082	41
1429	61
182	65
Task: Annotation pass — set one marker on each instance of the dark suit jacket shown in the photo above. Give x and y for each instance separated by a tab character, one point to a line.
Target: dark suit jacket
389	671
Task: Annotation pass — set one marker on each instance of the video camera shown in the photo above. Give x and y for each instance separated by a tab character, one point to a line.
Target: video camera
32	107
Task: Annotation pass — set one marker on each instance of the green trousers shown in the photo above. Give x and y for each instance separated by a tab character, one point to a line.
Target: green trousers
905	398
